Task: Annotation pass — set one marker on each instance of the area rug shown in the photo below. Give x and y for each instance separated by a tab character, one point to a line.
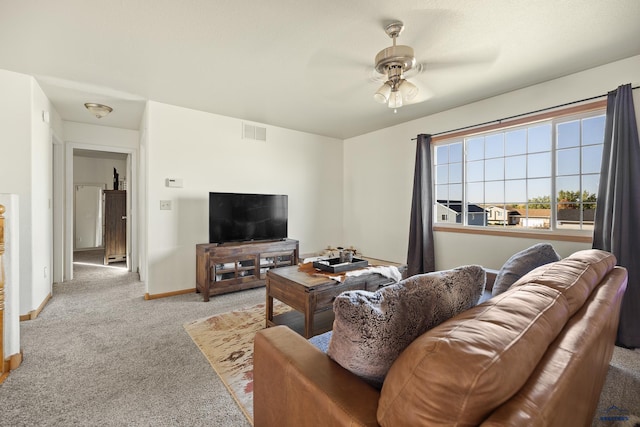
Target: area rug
226	340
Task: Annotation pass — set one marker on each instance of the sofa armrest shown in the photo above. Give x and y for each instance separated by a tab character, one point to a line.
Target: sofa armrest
295	384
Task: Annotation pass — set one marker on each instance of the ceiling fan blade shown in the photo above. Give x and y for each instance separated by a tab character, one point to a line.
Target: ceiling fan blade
484	57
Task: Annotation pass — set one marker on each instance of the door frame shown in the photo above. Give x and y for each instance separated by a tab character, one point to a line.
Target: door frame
132	201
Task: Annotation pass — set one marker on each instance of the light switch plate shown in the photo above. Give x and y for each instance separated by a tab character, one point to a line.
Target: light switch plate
165	205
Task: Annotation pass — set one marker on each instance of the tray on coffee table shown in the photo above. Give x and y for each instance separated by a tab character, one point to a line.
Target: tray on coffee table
333	265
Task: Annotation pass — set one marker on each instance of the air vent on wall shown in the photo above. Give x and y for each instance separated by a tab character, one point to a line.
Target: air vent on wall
254	132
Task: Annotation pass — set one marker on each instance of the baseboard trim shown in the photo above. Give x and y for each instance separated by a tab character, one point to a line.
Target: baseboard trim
34	313
149	296
15	360
12	363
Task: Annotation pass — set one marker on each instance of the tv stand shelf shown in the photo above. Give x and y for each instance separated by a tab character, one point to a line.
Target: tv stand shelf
229	267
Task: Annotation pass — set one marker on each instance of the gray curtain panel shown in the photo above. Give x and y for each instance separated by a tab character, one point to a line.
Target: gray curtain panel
421	255
617	221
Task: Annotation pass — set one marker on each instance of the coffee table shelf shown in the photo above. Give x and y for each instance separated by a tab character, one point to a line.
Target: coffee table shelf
323	321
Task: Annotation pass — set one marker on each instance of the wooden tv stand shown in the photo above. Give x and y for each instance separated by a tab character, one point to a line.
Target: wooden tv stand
229	267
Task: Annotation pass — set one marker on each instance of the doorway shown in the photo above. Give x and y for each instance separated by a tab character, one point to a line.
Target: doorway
89	171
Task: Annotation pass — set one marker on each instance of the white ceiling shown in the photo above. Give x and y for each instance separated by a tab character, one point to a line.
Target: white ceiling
302	65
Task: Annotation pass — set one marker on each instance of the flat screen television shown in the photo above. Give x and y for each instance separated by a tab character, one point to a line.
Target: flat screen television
238	217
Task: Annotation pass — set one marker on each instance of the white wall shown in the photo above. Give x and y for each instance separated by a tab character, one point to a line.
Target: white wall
379	170
208	153
26	147
41	200
100	136
89	170
15	173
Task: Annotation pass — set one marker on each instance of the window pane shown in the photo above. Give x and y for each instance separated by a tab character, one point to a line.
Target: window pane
475	171
539	138
494	192
444	213
568	161
568	216
455	153
442	154
455	210
568	189
539	190
538	217
516	191
442	192
591	159
475	192
476	215
590	185
442	174
569	134
515	167
475	149
593	130
516	142
455	192
494	169
539	165
494	146
455	172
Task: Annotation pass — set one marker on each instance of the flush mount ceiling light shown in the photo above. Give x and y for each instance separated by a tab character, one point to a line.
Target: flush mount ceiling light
393	62
98	110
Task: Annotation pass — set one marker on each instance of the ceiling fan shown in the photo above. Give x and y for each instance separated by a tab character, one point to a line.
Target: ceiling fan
392	63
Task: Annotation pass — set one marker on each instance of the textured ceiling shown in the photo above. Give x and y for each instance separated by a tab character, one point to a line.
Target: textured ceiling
302	65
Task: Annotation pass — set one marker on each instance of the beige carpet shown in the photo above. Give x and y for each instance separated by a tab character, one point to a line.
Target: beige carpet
226	340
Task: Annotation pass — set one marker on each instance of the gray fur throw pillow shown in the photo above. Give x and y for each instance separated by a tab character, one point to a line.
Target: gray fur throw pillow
521	263
371	329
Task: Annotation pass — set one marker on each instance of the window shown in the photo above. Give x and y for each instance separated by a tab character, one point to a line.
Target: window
538	175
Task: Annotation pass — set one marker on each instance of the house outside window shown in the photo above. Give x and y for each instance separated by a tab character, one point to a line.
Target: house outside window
540	175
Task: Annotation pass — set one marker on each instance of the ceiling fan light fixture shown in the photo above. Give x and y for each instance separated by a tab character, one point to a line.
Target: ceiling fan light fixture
382	94
98	110
395	100
393	62
408	90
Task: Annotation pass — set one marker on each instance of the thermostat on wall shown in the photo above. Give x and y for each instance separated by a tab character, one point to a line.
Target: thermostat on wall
174	182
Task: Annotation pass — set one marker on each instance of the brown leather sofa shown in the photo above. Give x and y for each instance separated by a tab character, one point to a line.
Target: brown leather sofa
535	355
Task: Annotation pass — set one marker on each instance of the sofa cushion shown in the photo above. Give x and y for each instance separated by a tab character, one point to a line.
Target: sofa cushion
371	329
575	276
521	263
460	371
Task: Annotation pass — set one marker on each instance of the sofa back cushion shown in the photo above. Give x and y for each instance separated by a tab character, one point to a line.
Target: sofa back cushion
575	276
460	371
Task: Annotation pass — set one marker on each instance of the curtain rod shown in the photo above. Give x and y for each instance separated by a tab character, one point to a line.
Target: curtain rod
522	115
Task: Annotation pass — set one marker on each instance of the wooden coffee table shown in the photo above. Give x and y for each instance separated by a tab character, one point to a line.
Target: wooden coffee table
311	297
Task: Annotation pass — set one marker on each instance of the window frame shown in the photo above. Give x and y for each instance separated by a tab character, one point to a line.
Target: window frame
584	236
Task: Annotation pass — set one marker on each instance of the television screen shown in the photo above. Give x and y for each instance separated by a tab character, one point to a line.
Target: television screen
236	217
